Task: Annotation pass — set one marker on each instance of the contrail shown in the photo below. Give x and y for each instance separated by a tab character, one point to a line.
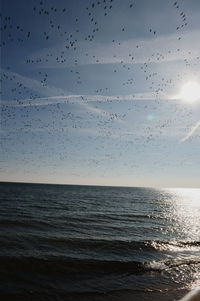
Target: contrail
191	132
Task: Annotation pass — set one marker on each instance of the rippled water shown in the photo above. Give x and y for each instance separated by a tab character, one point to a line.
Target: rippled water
62	242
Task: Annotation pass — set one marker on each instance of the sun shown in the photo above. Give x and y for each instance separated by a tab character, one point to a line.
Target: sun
190	92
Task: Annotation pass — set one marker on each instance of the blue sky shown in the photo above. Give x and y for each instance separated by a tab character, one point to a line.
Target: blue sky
90	92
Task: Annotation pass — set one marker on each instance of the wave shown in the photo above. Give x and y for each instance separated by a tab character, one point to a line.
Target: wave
48	265
92	244
119	245
170	264
22	223
172	245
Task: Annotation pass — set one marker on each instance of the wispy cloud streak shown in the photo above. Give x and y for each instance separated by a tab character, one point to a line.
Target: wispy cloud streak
77	99
146	51
191	132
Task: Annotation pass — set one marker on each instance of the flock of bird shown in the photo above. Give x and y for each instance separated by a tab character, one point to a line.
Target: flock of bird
52	126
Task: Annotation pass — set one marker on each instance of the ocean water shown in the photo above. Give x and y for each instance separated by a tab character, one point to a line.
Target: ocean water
67	242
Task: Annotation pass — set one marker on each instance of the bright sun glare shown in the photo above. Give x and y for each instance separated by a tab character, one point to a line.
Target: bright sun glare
190	92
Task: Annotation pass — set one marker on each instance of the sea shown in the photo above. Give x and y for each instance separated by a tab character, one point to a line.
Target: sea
70	242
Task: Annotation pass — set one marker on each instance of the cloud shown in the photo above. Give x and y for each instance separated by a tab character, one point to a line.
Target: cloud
81	99
33	84
164	48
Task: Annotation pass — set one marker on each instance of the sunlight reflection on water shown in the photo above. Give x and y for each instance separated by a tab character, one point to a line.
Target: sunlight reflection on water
183	208
183	211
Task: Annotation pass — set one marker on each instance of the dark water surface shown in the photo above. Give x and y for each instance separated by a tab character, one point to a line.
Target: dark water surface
65	242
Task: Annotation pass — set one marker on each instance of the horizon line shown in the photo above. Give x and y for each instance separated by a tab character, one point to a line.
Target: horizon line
95	185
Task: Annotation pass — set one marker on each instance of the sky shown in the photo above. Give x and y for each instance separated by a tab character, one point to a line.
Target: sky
102	92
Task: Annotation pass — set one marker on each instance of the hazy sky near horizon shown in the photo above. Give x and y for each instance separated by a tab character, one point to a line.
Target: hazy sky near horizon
96	92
